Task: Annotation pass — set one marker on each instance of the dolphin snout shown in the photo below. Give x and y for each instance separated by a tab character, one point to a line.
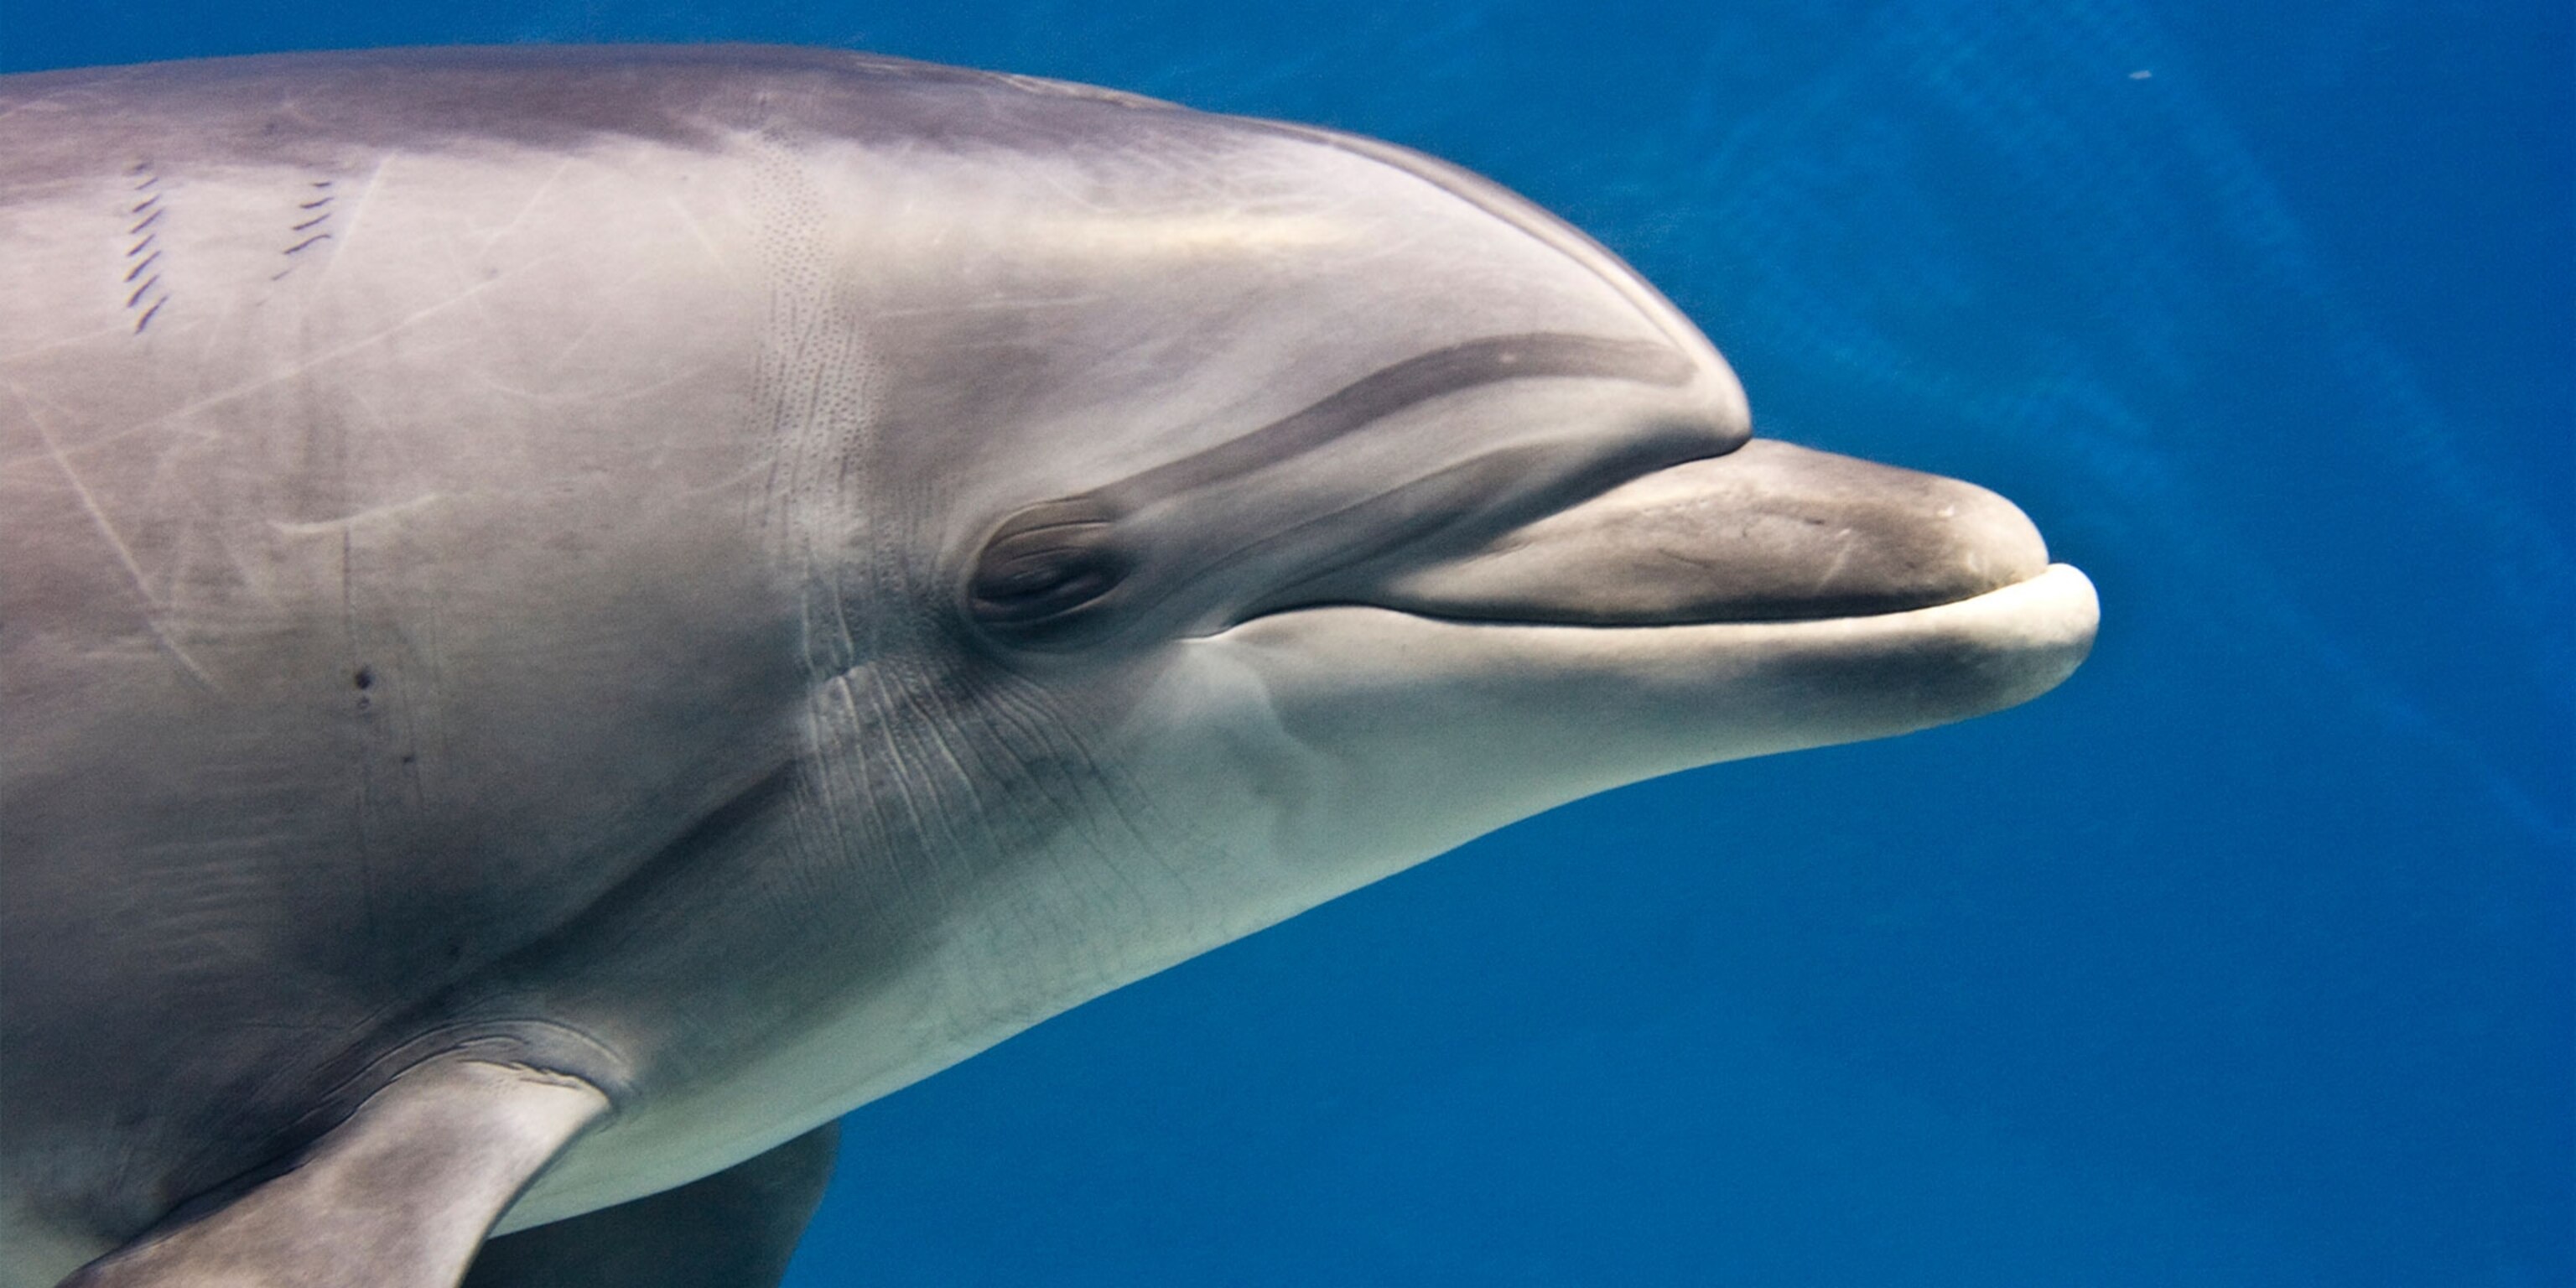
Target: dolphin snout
1769	532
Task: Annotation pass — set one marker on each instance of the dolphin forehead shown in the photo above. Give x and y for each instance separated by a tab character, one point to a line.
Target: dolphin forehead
1212	307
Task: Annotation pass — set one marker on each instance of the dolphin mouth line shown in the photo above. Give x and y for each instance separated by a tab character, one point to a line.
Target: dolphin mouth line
1820	680
2041	626
1995	594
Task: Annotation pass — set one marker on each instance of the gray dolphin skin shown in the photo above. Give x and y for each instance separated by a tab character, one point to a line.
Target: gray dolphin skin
571	615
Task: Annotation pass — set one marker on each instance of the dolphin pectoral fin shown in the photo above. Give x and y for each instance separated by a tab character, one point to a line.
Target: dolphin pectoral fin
735	1229
398	1196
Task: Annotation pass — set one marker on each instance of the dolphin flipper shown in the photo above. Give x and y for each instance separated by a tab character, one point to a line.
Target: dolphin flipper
398	1196
735	1229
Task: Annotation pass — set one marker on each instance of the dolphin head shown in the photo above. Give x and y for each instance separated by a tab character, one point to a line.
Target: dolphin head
1337	506
744	577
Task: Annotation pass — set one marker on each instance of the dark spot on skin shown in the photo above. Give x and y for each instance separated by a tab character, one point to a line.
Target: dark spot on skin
365	678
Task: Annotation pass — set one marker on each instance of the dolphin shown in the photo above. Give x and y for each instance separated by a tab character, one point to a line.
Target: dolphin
572	615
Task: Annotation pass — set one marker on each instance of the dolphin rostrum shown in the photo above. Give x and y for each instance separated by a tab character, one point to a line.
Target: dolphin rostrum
573	614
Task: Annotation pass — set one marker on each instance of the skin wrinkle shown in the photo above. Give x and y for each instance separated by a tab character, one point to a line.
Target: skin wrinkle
819	788
908	781
846	778
1073	795
977	812
1063	792
972	810
1026	705
811	817
926	836
1137	895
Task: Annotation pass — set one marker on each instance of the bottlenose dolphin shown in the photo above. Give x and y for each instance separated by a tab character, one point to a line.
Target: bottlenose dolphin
572	615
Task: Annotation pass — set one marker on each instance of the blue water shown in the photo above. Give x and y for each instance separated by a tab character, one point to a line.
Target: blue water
2245	958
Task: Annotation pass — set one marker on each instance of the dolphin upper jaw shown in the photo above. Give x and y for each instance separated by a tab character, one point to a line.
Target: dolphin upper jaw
1766	534
1771	532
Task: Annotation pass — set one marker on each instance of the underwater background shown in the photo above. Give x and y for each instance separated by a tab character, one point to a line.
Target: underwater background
2246	958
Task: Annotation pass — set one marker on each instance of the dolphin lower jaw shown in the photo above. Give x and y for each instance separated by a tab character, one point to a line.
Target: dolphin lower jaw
1399	737
1567	710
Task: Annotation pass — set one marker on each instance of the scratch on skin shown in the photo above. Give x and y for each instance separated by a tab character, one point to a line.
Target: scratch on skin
152	609
348	521
1842	558
698	231
333	353
493	237
143	214
346	214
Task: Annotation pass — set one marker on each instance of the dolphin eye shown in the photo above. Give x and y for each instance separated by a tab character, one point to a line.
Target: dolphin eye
1045	571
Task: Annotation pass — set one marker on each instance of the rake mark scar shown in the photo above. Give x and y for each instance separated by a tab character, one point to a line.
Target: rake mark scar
146	263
